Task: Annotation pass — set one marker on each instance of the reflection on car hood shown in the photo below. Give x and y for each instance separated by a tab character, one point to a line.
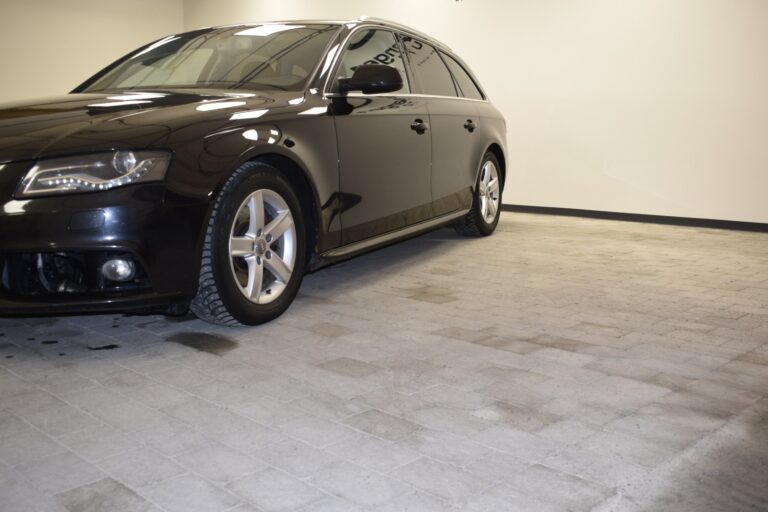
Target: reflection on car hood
75	123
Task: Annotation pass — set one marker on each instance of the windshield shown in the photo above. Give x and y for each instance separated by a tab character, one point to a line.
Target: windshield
261	57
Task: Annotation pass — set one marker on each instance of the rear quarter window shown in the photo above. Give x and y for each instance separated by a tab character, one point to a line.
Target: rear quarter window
468	87
431	74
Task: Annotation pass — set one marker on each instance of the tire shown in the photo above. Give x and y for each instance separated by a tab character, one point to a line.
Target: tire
483	217
254	250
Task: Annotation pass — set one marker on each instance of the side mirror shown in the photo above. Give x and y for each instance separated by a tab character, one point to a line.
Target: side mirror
372	79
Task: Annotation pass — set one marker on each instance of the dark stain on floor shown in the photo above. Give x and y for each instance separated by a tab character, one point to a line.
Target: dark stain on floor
177	319
42	321
165	321
68	333
153	324
111	346
724	476
204	342
49	342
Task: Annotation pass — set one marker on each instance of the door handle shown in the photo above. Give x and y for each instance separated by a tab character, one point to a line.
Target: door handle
419	126
470	125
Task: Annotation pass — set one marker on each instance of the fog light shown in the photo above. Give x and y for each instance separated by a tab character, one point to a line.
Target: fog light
118	270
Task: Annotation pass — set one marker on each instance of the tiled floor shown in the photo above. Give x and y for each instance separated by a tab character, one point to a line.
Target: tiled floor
562	364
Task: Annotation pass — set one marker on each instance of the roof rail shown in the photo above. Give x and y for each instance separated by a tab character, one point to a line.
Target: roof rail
405	28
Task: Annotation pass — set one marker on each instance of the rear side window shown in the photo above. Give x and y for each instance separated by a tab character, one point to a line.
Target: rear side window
429	69
372	47
468	87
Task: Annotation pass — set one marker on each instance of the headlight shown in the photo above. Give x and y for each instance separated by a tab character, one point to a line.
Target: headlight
92	173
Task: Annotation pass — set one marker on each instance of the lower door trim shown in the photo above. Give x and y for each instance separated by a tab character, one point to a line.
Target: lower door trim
413	229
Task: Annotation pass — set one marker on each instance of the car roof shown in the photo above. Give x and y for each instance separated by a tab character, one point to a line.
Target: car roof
362	20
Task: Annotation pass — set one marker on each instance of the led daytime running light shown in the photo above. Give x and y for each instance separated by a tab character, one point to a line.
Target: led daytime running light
93	173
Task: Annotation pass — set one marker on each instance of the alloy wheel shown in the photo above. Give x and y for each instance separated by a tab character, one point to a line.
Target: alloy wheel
262	246
489	192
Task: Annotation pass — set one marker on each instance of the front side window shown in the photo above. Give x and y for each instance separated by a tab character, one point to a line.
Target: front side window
468	87
261	57
429	69
372	46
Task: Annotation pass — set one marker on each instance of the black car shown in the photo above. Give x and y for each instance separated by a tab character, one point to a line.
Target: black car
210	170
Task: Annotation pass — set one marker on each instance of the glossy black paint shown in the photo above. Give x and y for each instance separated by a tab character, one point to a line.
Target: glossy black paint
364	166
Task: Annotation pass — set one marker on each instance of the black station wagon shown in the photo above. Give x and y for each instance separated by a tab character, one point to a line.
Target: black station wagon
212	169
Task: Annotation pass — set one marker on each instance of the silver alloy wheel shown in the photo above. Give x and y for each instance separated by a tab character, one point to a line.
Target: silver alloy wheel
489	192
262	246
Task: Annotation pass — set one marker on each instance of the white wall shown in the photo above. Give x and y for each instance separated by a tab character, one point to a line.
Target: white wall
641	106
47	47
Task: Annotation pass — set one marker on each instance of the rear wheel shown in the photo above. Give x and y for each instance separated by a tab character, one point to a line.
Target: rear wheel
254	250
482	218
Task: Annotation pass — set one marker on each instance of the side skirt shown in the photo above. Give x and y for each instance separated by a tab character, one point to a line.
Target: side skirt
356	248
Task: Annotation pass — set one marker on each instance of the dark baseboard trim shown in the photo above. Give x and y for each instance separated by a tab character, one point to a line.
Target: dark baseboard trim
639	217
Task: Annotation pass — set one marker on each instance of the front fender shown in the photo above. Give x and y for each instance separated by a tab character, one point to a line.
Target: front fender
305	144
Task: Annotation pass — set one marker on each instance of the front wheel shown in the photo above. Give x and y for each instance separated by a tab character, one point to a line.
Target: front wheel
482	218
254	250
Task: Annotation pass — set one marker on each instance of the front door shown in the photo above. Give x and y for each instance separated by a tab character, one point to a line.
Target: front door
384	146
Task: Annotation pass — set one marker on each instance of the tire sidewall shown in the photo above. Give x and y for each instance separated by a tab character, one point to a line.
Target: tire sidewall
486	228
261	176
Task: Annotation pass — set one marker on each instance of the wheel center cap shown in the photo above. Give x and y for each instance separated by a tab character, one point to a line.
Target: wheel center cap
260	246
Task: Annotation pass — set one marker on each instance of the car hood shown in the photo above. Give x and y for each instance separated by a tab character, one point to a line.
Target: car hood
75	123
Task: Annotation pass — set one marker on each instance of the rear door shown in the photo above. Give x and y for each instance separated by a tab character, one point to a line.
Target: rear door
453	125
384	162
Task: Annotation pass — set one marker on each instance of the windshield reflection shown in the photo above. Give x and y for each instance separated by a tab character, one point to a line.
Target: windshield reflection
264	57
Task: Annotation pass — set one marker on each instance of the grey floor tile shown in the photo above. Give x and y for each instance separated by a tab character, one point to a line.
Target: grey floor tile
141	467
60	420
349	367
331	504
442	480
329	406
60	472
383	425
265	410
272	491
358	485
603	361
374	453
27	446
504	498
519	443
188	492
20	495
11	424
569	492
497	467
628	448
103	496
315	430
97	443
248	439
566	431
218	463
416	502
297	458
446	447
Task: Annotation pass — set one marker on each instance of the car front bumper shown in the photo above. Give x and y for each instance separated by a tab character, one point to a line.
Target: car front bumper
45	238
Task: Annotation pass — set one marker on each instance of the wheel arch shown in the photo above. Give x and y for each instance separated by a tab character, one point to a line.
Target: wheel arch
302	184
298	178
499	154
